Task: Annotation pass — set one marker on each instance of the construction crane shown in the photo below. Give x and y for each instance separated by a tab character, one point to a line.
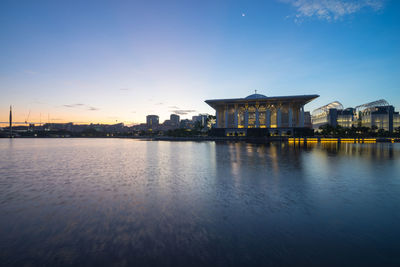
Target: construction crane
21	122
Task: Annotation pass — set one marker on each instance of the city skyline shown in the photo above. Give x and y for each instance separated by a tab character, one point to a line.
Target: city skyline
106	63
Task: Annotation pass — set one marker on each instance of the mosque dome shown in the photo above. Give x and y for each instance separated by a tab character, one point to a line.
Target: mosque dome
256	96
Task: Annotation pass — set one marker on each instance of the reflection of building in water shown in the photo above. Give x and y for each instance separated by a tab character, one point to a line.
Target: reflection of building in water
378	113
375	152
279	114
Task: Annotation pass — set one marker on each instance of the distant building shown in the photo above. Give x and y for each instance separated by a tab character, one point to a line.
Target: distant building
152	121
174	120
186	124
166	125
171	124
140	127
59	126
114	128
80	127
201	118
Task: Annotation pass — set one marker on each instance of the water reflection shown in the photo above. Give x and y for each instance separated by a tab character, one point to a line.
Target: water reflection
377	151
126	202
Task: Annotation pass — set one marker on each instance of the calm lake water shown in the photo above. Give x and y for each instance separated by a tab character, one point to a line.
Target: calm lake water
124	202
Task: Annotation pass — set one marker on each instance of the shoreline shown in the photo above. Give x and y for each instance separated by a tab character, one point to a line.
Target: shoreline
284	139
263	140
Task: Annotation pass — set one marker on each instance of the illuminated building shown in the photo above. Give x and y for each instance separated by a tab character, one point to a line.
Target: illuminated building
345	117
276	115
377	113
332	114
152	121
396	121
326	114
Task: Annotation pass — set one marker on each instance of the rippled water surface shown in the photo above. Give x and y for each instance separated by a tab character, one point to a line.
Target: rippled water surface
123	202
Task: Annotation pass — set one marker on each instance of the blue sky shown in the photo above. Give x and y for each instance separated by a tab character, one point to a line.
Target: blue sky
116	61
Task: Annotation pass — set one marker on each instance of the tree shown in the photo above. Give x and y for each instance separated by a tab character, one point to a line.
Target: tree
197	126
382	133
326	129
211	120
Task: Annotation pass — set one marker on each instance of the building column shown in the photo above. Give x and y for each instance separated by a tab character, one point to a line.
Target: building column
226	116
216	117
268	118
257	117
390	118
236	121
290	117
302	116
246	117
278	117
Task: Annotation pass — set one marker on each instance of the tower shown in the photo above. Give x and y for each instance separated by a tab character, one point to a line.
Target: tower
10	121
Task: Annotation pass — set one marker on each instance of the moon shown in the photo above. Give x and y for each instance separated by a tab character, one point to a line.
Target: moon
243	15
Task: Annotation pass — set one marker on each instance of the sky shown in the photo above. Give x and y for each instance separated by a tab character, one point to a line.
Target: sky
118	61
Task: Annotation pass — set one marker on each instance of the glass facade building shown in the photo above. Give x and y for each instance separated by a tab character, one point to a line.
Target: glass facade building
373	114
326	114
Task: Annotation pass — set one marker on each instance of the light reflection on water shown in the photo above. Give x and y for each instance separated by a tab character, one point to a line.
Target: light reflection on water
125	202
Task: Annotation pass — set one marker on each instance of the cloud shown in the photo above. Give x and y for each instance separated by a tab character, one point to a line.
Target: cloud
160	103
125	89
78	105
73	105
183	111
331	9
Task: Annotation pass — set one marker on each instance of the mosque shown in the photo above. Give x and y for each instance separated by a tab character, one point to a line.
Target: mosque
259	115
